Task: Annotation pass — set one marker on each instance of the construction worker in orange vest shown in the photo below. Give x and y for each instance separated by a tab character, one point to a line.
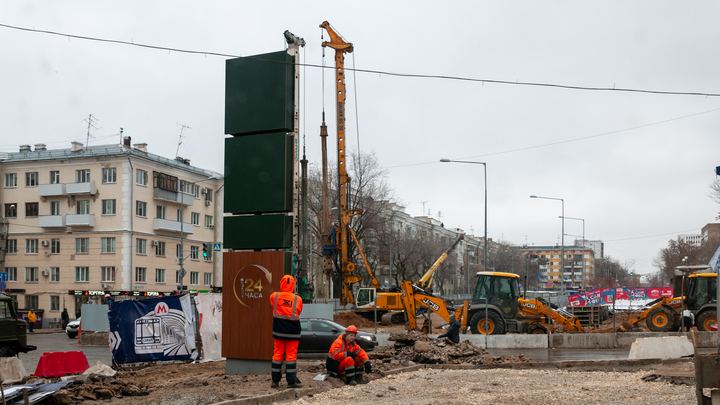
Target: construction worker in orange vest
347	356
286	332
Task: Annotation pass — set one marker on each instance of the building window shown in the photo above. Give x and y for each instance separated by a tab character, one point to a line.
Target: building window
31	274
54	177
141	246
194	278
31	246
31	179
31	302
178	250
11	210
141	177
160	249
82	274
82	245
54	274
31	209
208	195
107	245
82	207
140	274
109	175
54	207
12	273
54	303
82	176
160	276
194	253
207	278
195	218
160	212
55	246
12	246
10	180
208	221
107	274
141	209
178	279
180	215
108	207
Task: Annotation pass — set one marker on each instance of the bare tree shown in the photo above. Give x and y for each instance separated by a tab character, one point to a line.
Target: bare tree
672	256
715	193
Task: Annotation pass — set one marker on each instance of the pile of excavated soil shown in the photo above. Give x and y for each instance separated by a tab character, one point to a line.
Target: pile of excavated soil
415	347
348	318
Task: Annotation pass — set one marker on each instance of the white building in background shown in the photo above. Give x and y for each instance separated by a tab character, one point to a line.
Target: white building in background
80	223
597	246
691	239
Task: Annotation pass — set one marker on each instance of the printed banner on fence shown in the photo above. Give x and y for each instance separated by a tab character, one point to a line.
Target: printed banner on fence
602	296
158	329
209	306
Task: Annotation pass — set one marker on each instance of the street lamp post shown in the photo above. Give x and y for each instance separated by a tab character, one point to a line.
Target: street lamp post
485	247
583	245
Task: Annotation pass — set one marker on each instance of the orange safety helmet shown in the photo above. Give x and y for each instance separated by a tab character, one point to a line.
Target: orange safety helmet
351	329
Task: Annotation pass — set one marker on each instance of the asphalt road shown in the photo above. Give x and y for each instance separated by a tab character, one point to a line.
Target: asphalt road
59	342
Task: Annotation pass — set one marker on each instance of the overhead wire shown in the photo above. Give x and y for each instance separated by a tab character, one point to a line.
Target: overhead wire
379	72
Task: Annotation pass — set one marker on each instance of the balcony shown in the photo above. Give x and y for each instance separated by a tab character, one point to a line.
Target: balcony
51	190
80	219
51	221
171	226
80	188
173	196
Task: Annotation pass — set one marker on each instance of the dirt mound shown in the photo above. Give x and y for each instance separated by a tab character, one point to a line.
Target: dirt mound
348	318
415	347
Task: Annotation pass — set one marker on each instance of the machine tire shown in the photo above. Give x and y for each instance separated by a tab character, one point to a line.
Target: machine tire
536	329
660	319
705	320
7	351
495	323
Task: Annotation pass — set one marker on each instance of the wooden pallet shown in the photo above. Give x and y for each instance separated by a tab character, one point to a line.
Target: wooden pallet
589	315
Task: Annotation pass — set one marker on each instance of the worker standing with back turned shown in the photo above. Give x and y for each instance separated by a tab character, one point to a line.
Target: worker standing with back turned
347	356
286	332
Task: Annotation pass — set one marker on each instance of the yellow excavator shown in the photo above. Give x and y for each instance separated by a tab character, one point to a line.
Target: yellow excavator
496	308
697	294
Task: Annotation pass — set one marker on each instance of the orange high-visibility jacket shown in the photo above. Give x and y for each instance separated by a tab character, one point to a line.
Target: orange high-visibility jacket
340	350
286	311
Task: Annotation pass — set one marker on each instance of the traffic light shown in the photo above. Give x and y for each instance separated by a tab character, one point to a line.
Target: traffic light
207	250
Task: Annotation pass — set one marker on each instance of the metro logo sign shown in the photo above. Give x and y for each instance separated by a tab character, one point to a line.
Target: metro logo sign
161	308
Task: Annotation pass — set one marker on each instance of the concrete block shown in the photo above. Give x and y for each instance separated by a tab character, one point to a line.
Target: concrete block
94	338
12	369
100	369
670	347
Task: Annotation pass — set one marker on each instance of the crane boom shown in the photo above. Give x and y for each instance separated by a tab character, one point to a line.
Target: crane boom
341	47
427	279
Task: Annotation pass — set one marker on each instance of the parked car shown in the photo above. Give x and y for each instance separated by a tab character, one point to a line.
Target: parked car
319	334
72	328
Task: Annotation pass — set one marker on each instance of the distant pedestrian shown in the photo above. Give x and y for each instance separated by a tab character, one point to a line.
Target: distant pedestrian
77	313
31	319
65	317
453	332
688	320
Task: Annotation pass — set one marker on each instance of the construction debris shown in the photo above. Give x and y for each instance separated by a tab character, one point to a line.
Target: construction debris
348	318
415	347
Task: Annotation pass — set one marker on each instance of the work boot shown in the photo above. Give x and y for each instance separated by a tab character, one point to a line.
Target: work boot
350	381
274	384
296	384
360	380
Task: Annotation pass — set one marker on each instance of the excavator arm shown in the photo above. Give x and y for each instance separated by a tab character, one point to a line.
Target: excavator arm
541	310
426	280
414	298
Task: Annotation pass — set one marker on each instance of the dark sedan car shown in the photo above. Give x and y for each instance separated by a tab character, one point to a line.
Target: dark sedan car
319	334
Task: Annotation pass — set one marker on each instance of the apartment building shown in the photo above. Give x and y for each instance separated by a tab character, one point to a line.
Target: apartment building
83	223
579	265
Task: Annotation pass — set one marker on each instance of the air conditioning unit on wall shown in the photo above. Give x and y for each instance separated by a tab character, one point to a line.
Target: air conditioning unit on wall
45	273
207	202
155	243
44	243
103	285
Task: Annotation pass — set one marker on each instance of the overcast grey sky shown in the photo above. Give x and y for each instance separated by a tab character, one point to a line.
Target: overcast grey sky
635	166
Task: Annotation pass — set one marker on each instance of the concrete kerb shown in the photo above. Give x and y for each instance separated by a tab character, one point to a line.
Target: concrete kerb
284	395
569	340
12	370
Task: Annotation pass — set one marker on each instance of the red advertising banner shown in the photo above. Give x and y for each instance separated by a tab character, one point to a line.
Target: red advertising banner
602	296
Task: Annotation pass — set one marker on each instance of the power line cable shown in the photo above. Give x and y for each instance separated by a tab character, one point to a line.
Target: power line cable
380	72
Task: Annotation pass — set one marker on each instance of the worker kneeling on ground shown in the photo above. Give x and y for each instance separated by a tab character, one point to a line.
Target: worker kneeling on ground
286	332
348	357
453	332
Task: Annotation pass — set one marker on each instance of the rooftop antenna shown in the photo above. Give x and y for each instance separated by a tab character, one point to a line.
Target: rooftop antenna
423	203
91	123
121	136
182	128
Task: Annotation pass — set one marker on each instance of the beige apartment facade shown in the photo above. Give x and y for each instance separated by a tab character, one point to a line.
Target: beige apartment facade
82	225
